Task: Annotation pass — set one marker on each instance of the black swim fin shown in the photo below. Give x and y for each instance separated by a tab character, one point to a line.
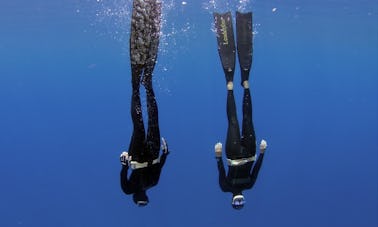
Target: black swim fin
244	37
226	43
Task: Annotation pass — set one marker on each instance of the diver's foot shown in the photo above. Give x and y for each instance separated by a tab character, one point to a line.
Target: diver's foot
230	86
245	84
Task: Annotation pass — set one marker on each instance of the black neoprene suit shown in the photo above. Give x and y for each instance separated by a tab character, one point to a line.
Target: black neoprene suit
244	146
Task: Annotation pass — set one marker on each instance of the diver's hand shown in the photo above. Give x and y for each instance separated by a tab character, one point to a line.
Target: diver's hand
263	146
164	146
125	158
218	150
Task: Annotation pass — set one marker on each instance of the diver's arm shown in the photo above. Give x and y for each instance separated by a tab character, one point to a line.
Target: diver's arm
222	175
258	164
155	170
163	158
222	172
125	183
256	170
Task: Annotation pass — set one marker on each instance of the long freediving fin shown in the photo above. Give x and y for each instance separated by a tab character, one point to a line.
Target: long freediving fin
244	37
226	43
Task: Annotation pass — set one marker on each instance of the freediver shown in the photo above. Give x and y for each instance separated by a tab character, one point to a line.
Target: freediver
240	149
143	154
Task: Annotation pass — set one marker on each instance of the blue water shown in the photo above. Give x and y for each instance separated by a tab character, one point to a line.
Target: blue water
65	96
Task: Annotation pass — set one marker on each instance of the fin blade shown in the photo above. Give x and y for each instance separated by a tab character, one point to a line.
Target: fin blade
244	33
226	41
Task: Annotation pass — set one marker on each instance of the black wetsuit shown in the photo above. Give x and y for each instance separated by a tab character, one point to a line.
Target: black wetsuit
144	41
244	176
238	146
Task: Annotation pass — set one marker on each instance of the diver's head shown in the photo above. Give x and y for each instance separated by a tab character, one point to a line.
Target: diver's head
238	201
140	198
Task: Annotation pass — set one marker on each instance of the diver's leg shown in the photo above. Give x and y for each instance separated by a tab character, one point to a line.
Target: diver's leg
136	74
138	59
153	131
244	47
136	146
248	132
233	131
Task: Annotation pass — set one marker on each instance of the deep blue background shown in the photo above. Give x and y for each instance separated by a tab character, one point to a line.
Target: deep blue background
65	118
